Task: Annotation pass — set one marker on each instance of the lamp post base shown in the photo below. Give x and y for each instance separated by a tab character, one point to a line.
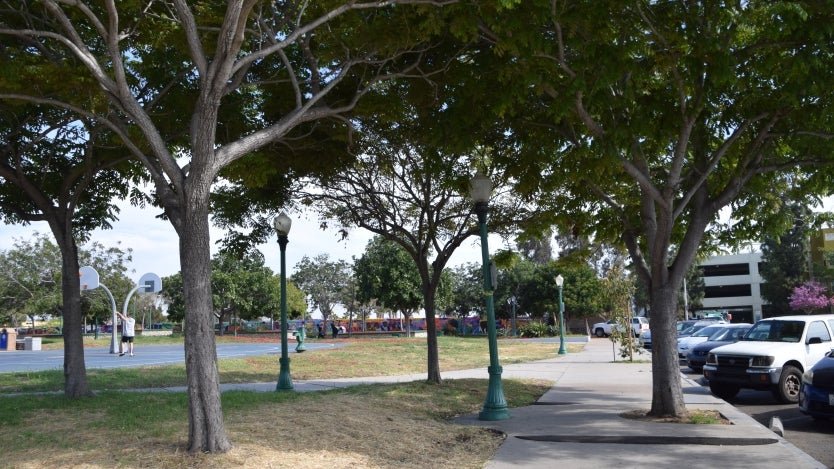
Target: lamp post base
284	378
495	405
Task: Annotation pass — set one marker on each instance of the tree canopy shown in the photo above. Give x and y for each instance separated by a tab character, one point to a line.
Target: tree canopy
785	260
243	288
216	94
810	298
323	281
639	128
58	166
635	129
386	272
32	281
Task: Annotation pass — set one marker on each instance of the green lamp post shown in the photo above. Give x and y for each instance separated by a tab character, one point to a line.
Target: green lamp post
495	405
282	226
562	350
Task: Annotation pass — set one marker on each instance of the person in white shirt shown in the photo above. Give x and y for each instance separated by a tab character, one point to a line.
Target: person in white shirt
128	327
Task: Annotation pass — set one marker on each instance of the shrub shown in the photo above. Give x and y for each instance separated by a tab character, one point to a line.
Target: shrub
536	329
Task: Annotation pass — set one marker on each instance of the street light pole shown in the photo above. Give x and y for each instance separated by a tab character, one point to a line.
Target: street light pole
495	405
282	225
512	303
562	350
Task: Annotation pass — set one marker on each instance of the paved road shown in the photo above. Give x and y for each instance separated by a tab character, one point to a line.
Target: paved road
812	437
150	355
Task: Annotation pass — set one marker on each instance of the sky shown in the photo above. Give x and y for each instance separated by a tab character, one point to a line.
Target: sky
155	246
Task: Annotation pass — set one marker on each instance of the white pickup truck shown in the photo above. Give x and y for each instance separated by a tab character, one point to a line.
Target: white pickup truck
772	356
639	324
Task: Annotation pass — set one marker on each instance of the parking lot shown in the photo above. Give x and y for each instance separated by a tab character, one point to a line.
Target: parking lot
809	435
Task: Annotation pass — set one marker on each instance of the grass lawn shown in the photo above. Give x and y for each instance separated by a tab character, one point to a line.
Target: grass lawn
385	425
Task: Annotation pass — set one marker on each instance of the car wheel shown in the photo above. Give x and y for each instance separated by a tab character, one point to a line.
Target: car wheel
723	390
696	368
787	391
599	332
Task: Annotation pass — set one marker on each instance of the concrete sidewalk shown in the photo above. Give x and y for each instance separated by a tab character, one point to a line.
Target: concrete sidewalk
577	423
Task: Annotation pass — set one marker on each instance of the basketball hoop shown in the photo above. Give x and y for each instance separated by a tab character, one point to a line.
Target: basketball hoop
88	278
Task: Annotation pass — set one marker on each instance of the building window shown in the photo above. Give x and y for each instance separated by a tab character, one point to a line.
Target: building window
724	270
727	291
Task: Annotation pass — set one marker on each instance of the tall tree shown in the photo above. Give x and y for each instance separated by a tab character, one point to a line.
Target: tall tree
32	281
323	281
538	294
639	128
296	301
785	261
192	90
243	287
57	167
538	250
414	196
467	293
515	274
386	272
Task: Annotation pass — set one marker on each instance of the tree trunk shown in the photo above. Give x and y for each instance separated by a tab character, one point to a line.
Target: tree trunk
206	431
431	334
667	394
75	370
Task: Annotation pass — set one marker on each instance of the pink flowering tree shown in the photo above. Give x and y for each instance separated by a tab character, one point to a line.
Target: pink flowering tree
810	297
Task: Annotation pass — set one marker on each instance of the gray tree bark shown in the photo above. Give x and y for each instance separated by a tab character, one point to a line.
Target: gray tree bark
75	370
206	430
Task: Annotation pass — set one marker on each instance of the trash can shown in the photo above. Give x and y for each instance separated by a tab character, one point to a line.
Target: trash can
32	343
11	340
4	340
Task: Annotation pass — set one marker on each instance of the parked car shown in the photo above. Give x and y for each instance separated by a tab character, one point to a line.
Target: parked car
639	324
646	337
698	325
772	356
816	393
701	335
645	340
697	356
684	325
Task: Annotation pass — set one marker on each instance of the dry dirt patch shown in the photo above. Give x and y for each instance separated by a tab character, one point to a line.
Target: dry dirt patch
696	416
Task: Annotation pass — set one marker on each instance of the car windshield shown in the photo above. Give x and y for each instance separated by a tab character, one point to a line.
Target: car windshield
683	325
776	331
731	334
721	333
708	331
692	329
